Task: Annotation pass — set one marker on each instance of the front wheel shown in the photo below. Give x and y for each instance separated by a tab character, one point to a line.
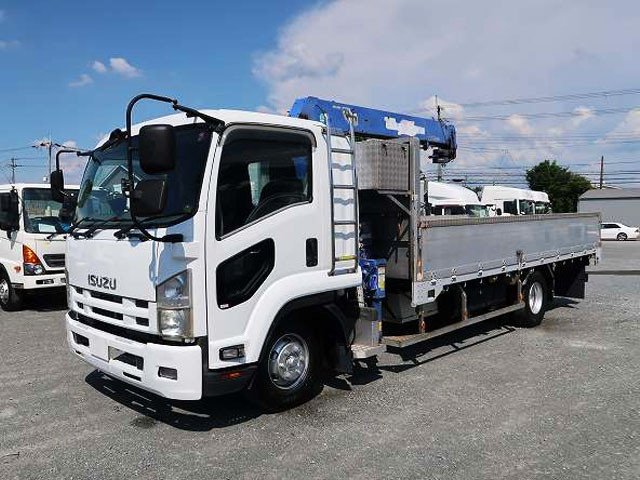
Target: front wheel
622	237
10	297
536	299
288	374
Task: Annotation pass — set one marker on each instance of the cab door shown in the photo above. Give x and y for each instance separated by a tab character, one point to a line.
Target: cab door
264	226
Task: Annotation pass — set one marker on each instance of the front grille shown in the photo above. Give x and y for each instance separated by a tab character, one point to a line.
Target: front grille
54	260
107	313
106	307
134	335
107	296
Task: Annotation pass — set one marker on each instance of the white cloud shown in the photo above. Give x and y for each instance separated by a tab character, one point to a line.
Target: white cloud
398	55
124	68
448	110
82	81
582	115
630	125
99	67
520	124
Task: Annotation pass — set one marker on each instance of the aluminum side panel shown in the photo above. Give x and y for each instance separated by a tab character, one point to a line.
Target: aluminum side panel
457	249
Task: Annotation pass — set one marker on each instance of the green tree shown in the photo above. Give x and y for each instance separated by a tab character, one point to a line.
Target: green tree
561	184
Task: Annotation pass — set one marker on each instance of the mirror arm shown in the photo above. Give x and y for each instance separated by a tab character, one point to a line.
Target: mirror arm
218	125
175	238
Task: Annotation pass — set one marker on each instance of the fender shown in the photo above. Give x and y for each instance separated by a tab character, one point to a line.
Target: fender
273	300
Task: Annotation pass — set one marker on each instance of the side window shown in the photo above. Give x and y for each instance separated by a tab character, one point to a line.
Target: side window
261	171
510	207
240	276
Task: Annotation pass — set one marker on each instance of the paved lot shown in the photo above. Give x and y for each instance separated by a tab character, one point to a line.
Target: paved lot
559	401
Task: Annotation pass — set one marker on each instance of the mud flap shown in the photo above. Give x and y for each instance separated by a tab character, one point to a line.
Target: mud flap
570	280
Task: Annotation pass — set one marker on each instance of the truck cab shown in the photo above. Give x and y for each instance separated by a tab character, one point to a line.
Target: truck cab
514	201
452	199
32	241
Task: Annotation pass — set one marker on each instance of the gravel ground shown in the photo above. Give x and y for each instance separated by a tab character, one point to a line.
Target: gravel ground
559	401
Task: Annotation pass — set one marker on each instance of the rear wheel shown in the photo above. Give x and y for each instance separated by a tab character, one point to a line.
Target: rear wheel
536	299
622	236
288	374
10	297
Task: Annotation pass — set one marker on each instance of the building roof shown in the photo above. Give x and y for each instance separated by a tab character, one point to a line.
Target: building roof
597	194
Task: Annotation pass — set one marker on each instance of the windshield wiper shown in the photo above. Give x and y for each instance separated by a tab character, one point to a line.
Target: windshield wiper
55	234
91	230
76	225
120	234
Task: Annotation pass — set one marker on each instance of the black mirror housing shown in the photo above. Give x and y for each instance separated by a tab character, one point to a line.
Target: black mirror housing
157	149
498	211
10	206
149	197
57	186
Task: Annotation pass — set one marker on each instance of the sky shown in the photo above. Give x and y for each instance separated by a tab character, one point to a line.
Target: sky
68	69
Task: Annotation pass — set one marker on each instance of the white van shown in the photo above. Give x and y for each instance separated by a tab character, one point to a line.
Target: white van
451	199
32	241
514	201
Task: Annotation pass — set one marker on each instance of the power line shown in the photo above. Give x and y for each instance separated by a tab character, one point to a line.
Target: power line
534	116
14	149
552	98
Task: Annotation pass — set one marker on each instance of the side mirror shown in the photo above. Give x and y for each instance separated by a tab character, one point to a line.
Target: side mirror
157	149
57	186
68	207
498	211
10	208
149	197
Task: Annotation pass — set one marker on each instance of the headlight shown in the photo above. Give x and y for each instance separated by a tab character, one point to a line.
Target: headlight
174	307
31	269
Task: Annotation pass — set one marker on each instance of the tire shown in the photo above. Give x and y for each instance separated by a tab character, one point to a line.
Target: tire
288	374
622	237
10	298
536	300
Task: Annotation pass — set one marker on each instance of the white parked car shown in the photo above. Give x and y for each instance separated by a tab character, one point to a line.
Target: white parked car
618	231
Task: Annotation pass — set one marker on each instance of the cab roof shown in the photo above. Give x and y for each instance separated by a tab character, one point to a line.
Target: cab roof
228	117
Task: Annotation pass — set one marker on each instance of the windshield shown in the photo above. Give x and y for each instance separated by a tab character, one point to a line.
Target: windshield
42	214
526	207
101	195
477	210
447	210
543	207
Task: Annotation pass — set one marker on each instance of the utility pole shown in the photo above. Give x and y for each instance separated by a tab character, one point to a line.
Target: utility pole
13	166
13	170
601	171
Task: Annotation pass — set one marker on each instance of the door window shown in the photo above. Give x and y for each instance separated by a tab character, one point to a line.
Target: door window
511	207
240	276
261	172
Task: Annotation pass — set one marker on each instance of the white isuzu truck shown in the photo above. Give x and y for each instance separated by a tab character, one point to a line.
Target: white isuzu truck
32	243
215	250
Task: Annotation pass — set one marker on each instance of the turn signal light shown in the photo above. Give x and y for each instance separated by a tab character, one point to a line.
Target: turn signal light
29	256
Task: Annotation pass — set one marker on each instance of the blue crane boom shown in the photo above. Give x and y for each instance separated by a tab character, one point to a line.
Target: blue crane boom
370	122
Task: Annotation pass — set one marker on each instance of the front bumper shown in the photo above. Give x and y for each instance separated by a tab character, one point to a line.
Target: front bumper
48	280
141	366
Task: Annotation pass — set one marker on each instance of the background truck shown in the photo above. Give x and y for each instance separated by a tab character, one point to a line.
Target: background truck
515	201
213	251
32	241
451	199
